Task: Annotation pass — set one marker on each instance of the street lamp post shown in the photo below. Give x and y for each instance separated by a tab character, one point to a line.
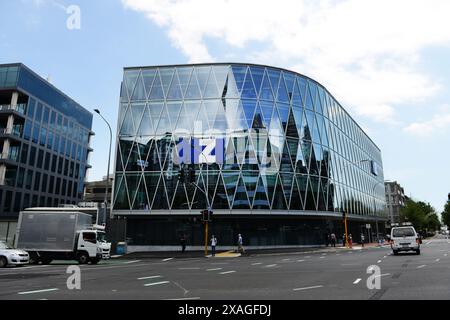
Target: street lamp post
109	162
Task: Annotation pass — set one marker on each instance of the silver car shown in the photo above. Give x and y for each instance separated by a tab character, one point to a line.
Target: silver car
10	256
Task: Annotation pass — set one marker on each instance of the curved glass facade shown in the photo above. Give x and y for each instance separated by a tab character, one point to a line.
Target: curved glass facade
271	142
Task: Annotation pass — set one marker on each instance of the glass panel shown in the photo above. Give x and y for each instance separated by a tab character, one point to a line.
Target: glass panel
241	199
211	90
230	180
175	91
221	198
130	79
139	91
261	202
282	95
151	181
266	92
157	92
239	73
257	75
193	91
148	77
146	127
166	78
160	202
248	89
309	102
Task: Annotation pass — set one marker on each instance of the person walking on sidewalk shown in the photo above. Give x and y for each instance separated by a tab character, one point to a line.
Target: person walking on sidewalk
213	245
333	240
350	240
183	243
240	244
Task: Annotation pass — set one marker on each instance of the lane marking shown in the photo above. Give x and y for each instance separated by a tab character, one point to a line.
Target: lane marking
271	265
308	288
357	281
384	257
196	268
155	283
322	257
288	259
214	269
256	263
300	260
422	266
39	291
383	275
446	254
168	259
130	262
193	298
308	257
379	261
437	260
227	272
150	277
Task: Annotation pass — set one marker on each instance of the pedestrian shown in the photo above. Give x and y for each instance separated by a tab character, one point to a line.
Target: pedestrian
350	240
183	243
362	239
333	240
240	244
213	245
344	241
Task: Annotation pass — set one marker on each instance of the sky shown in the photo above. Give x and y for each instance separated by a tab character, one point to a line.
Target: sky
386	61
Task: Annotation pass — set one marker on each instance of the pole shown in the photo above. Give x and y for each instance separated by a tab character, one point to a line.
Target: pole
206	238
109	163
346	232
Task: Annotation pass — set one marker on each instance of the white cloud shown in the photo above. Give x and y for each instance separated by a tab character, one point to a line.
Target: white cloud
364	51
439	124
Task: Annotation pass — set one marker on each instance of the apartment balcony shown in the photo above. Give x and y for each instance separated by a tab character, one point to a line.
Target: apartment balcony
9	158
18	109
15	133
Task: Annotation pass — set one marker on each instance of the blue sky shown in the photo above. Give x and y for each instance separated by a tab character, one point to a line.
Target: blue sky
389	67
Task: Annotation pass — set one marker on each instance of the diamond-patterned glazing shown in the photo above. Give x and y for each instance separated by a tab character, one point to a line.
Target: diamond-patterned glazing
289	145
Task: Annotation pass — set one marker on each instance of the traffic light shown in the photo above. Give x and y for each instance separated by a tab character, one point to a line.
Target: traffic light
205	215
182	175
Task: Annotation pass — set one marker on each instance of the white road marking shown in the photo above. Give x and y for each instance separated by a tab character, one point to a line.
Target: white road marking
193	298
422	266
155	283
383	275
384	257
357	281
256	263
300	260
271	265
39	291
214	269
168	259
308	257
130	262
324	254
227	272
322	257
189	268
379	261
446	254
286	259
437	260
150	277
308	288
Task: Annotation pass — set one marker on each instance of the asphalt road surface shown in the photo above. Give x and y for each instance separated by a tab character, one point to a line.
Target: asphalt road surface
323	274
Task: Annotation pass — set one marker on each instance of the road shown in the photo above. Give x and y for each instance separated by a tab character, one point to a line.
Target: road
319	275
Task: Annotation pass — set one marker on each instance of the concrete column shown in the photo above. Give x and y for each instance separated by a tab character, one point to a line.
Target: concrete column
10	124
14	98
5	151
2	175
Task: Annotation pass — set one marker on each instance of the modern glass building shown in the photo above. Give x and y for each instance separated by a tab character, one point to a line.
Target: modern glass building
44	145
277	155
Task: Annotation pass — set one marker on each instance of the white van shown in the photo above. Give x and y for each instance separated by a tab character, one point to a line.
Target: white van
404	239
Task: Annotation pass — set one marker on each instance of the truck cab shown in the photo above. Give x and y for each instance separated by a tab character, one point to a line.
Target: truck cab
92	246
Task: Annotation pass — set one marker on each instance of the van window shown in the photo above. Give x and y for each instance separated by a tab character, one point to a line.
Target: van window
403	232
89	237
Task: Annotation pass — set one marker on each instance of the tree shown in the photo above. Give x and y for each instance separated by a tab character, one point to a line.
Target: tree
446	215
422	215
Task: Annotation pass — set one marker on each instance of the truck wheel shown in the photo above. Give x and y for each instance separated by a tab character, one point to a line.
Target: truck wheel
34	259
83	258
3	262
46	260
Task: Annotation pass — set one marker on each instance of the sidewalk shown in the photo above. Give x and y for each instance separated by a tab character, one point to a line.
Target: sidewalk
234	254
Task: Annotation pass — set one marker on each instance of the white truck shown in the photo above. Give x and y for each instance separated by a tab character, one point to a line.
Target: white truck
61	235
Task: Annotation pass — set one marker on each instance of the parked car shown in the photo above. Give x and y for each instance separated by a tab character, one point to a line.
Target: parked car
10	256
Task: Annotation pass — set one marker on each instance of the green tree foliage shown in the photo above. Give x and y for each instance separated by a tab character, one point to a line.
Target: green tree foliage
446	215
422	215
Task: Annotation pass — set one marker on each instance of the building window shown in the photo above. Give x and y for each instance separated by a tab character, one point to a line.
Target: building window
47	161
54	160
34	201
10	177
37	181
40	159
44	183
32	160
24	153
58	186
8	201
17	202
60	165
29	179
64	186
51	184
20	178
